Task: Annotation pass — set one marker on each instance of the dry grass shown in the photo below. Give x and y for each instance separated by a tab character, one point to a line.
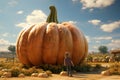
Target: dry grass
2	59
77	76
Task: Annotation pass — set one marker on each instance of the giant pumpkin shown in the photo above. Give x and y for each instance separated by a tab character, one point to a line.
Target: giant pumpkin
47	42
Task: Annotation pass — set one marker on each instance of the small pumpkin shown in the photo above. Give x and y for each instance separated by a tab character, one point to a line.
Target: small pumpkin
47	42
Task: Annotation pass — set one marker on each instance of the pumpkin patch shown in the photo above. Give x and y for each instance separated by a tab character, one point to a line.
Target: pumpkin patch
47	42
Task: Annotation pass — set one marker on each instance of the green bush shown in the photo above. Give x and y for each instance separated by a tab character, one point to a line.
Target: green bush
52	68
82	67
98	66
15	71
58	68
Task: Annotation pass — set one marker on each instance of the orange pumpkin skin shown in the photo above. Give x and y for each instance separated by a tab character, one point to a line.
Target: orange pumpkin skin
46	43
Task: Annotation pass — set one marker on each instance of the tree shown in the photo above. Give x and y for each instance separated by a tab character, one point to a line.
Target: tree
12	49
103	49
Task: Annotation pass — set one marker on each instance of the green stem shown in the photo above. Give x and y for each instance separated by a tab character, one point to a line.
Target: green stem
53	15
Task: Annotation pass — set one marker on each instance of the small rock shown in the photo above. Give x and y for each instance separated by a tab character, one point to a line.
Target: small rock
105	73
7	74
49	73
4	70
63	73
3	77
34	74
42	75
21	75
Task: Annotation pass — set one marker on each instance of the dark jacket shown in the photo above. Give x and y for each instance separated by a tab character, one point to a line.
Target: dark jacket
68	61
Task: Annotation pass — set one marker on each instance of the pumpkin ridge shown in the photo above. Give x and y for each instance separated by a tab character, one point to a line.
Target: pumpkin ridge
50	45
86	49
65	43
35	43
17	47
23	46
83	48
77	42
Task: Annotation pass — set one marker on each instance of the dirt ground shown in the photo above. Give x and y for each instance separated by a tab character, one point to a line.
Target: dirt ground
77	76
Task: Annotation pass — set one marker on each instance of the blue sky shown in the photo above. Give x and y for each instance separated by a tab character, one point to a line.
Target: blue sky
99	20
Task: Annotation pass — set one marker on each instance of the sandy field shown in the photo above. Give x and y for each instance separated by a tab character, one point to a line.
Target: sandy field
77	76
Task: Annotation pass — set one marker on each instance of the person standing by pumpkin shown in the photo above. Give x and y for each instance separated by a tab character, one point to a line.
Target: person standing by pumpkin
68	63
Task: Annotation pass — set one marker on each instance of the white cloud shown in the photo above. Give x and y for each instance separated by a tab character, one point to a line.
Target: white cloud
74	0
95	21
4	44
95	47
7	35
73	22
111	26
0	11
91	10
20	12
88	38
4	48
97	41
23	24
13	2
96	3
103	38
115	44
36	16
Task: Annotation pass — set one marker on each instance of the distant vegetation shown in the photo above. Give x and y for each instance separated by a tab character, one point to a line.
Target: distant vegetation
103	49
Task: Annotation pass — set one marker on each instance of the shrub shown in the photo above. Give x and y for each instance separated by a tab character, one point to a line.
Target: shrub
115	69
52	68
31	70
98	66
82	67
15	71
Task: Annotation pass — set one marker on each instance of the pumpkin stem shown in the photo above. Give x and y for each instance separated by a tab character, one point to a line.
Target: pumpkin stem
53	15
